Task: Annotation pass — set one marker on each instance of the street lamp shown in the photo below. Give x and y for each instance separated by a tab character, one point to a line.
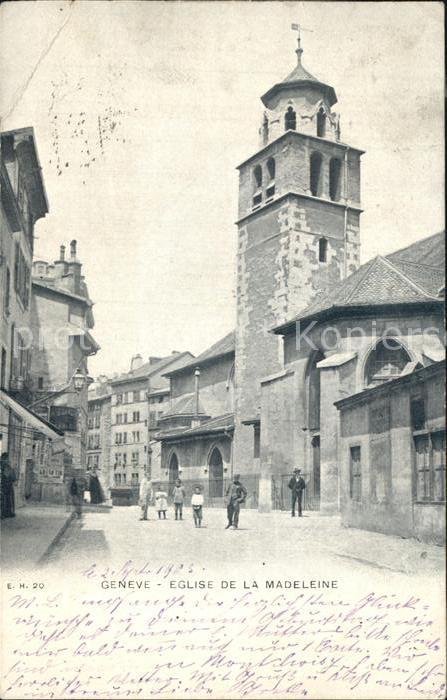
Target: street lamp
79	380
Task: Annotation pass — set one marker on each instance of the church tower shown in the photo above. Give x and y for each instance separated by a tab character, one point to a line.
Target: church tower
298	233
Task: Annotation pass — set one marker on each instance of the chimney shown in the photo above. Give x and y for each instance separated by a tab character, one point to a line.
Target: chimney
136	362
60	266
197	391
73	271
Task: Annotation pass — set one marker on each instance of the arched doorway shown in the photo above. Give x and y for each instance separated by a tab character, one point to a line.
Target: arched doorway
216	474
173	469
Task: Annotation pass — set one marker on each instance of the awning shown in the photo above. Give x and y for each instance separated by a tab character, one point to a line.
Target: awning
29	417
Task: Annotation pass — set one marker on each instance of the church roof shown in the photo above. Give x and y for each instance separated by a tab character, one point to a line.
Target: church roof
148	369
185	405
300	77
219	424
414	274
224	346
299	73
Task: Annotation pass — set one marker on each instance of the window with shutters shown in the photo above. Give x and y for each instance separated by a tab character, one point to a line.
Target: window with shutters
429	464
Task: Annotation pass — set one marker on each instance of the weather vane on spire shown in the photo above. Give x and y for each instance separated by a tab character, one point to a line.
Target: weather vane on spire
298	28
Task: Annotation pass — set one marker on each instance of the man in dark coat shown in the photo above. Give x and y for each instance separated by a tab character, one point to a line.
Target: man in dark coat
297	486
96	493
8	477
236	494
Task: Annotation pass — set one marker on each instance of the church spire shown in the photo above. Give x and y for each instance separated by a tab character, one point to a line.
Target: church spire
299	78
299	51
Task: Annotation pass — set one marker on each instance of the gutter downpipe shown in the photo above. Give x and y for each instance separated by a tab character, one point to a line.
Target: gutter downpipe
345	230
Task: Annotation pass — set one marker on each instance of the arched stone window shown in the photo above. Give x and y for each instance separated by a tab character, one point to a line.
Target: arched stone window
334	179
257	185
321	122
257	176
290	119
315	174
215	464
271	171
271	168
322	250
386	361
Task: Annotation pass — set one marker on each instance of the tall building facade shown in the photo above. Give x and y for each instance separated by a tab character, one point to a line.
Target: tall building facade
298	233
24	436
132	405
99	420
61	323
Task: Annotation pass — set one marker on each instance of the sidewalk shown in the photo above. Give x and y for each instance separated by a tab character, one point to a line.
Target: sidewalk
27	538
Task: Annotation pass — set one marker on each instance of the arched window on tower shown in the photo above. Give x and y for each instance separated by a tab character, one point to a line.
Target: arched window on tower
290	119
271	170
321	122
386	361
322	250
334	179
257	184
315	174
257	175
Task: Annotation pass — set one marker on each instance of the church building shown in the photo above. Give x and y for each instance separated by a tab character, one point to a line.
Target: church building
313	327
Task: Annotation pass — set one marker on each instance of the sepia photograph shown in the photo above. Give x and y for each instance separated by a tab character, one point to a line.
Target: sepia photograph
222	338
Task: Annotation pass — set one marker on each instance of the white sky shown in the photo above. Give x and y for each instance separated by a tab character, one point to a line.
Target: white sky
174	89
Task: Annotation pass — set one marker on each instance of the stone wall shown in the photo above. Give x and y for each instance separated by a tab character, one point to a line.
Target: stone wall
393	508
279	273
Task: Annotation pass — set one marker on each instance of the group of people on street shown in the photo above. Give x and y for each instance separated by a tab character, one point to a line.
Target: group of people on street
159	497
77	488
236	494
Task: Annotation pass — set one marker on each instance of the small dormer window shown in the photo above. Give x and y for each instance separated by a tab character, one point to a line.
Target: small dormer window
322	250
321	122
290	119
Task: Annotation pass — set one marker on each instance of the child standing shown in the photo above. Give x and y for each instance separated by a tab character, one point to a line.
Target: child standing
161	503
178	498
197	504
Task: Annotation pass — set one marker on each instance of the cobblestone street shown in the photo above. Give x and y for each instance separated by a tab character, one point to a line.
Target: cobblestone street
313	543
